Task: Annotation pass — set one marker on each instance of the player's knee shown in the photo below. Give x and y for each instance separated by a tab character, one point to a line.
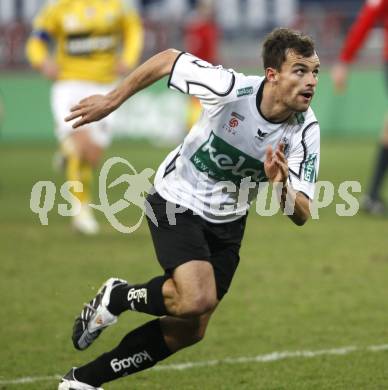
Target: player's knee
88	150
194	337
200	304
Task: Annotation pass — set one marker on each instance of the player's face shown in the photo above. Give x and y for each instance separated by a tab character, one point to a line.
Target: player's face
298	78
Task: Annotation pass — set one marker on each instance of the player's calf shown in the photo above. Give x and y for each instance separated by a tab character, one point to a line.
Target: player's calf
146	298
182	332
138	350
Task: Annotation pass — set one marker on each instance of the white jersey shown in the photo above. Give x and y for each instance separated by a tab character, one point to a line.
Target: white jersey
229	142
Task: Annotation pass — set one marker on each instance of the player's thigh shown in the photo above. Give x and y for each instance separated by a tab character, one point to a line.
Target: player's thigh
179	240
225	242
183	253
195	283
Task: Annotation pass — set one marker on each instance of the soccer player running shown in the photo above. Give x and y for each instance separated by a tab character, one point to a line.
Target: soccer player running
87	36
252	129
372	12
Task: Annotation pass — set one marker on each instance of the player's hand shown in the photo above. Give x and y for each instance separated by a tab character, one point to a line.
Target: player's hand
90	109
339	75
49	69
275	164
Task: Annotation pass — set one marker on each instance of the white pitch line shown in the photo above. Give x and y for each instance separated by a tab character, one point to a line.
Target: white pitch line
375	348
29	379
270	357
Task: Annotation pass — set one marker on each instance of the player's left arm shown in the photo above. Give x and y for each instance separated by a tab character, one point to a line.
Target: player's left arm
299	202
276	169
303	160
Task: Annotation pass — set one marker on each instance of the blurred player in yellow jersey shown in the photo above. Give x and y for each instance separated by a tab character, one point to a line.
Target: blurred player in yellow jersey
83	46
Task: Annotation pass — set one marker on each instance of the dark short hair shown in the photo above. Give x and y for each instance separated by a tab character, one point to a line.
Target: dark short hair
280	40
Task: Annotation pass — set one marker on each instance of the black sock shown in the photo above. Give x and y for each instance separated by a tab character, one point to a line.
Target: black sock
146	298
140	349
379	172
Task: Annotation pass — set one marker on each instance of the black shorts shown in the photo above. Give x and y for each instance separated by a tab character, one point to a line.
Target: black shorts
194	238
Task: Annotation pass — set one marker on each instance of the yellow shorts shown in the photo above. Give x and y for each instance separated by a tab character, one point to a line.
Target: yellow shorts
67	93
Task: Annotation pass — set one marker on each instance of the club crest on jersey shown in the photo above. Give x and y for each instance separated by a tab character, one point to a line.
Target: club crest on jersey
309	172
233	123
224	162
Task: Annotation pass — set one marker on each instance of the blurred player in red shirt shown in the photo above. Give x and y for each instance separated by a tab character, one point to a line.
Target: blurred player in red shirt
373	12
201	33
201	36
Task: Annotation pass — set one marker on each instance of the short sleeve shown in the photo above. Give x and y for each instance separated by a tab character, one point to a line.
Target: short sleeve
193	76
303	161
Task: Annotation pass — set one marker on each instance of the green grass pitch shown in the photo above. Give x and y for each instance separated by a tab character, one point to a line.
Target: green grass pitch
311	288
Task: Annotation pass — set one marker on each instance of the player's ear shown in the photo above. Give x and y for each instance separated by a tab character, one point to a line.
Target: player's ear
271	74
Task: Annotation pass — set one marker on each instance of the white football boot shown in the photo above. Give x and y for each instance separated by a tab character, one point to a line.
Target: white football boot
95	316
68	382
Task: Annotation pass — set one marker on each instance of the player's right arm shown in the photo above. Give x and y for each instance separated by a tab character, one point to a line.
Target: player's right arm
96	107
368	16
37	47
